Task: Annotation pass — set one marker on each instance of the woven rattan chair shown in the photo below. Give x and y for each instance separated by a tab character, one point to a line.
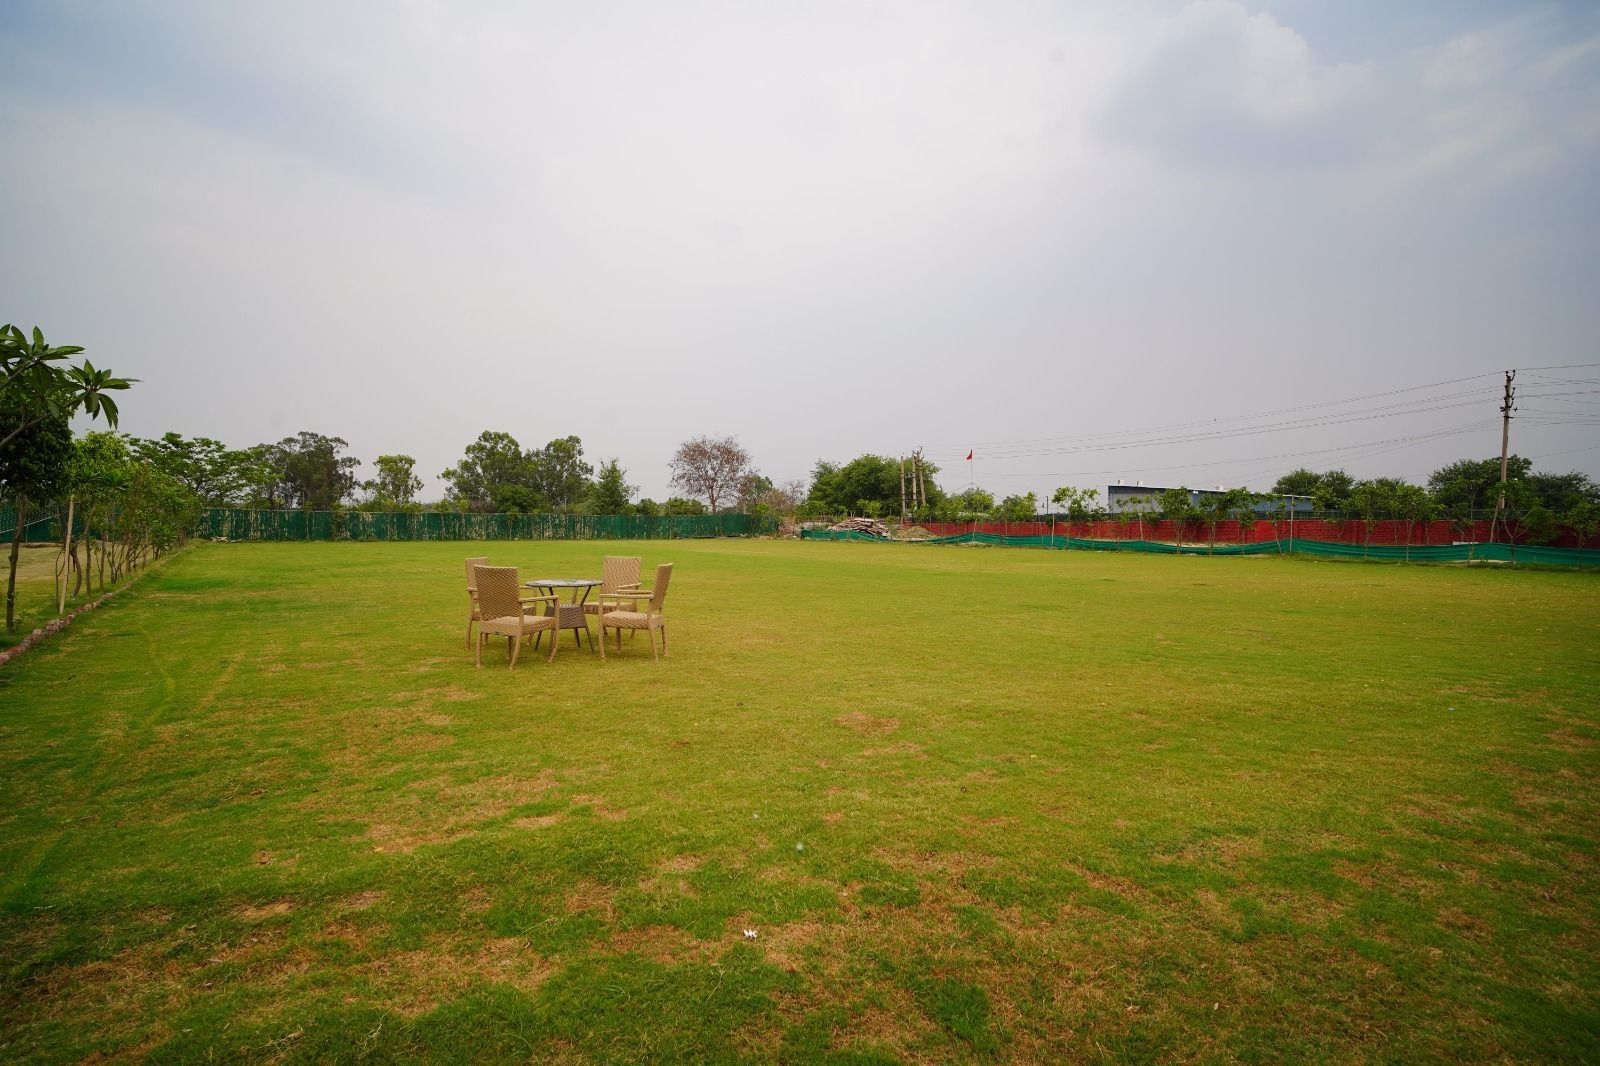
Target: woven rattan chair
501	613
472	594
612	616
619	573
529	601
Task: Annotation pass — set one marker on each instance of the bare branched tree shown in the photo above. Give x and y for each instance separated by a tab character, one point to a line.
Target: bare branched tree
710	468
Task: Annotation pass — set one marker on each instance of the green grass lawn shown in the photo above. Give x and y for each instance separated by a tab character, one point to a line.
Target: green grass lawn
36	588
976	803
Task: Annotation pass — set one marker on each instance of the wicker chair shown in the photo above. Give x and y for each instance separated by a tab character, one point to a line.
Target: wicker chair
529	601
472	594
619	573
501	612
651	619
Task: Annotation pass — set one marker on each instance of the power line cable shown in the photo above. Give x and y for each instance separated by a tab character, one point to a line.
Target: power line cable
1191	438
1176	427
1232	418
1396	441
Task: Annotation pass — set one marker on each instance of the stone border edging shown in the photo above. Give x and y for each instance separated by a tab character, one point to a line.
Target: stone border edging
56	625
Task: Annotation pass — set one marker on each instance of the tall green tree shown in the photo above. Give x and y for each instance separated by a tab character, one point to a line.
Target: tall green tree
1583	519
1134	508
1470	484
1411	504
40	391
34	456
100	472
1219	506
397	483
1019	508
1333	492
1374	498
965	506
611	493
1246	514
559	473
493	474
1301	482
1522	512
216	474
313	473
849	488
1177	506
1559	493
1082	505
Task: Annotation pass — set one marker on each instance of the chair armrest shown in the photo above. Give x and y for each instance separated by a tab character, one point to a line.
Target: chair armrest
539	599
625	586
629	596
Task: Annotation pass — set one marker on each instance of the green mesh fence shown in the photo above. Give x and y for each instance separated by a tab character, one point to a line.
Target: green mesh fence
236	524
1438	553
43	523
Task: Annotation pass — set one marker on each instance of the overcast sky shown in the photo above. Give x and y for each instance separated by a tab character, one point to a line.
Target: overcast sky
1047	232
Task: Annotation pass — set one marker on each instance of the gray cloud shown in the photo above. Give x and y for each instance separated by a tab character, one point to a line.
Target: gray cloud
1217	84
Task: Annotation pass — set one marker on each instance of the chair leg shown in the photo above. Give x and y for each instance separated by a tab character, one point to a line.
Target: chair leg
516	646
651	633
477	651
554	644
663	642
602	643
469	632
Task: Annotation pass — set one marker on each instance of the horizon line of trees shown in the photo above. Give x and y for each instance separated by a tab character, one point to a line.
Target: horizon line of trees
42	388
496	474
139	497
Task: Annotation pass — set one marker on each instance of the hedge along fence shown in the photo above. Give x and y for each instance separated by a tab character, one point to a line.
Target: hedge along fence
225	523
1415	553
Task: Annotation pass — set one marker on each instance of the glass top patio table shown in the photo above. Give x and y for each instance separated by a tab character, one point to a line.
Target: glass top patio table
573	583
570	615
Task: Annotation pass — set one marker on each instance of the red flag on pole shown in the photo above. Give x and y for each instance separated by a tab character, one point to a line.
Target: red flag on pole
969	457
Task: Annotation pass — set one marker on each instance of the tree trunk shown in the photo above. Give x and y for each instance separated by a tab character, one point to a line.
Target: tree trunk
16	549
66	558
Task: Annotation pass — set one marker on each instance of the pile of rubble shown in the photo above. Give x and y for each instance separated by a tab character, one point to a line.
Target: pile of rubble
870	526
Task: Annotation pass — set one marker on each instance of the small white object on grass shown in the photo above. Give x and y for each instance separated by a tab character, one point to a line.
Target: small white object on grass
749	934
799	847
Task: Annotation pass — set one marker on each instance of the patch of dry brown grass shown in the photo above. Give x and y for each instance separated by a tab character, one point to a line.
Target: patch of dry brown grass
415	982
868	725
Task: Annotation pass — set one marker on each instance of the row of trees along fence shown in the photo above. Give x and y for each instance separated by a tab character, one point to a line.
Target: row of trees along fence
116	528
48	523
236	524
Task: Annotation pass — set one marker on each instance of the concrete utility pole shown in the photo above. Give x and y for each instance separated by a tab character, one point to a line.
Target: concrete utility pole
1506	408
902	490
911	482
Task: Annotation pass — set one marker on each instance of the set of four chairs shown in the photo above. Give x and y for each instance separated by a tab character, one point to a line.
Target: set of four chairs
500	606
